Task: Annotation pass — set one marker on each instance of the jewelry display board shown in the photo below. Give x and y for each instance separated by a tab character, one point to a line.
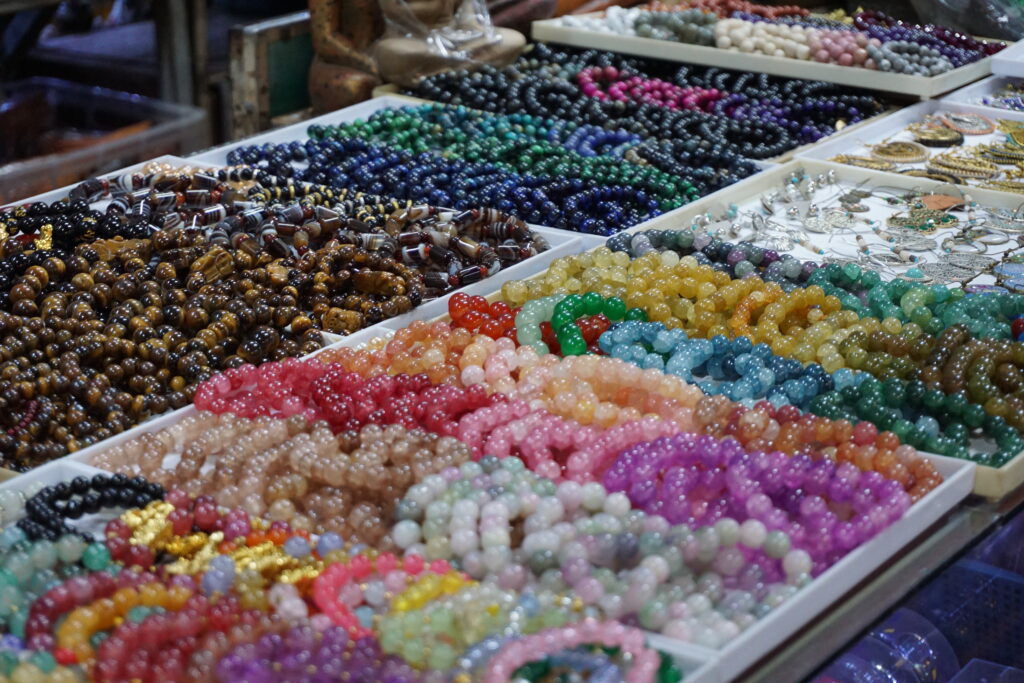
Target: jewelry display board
919	87
701	664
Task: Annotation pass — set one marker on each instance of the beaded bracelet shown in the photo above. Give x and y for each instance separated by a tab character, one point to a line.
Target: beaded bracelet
474	313
78	591
44	511
558	449
30	568
432	635
514	654
302	651
143	639
790	432
231	457
345	594
480	538
914	413
74	633
737	368
692	481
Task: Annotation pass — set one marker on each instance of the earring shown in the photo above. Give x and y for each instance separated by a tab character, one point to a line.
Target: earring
961	245
945	273
923	220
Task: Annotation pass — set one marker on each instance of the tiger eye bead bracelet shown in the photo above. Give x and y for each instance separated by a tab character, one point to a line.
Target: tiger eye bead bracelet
109	317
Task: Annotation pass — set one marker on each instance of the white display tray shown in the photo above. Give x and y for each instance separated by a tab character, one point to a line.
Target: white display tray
297	131
969	97
893	128
562	243
1009	62
920	87
703	665
746	196
62	192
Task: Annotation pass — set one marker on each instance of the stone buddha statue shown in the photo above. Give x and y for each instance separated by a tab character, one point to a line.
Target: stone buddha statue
353	55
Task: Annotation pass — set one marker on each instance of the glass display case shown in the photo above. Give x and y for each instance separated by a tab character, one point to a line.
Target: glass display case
964	624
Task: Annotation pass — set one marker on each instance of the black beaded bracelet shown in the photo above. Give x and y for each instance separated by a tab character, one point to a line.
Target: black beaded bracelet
47	513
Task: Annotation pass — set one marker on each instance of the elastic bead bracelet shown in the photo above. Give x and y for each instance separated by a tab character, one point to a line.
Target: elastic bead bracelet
562	311
695	480
736	368
74	633
516	653
334	590
303	652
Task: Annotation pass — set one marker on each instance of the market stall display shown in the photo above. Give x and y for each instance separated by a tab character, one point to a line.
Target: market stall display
549	374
